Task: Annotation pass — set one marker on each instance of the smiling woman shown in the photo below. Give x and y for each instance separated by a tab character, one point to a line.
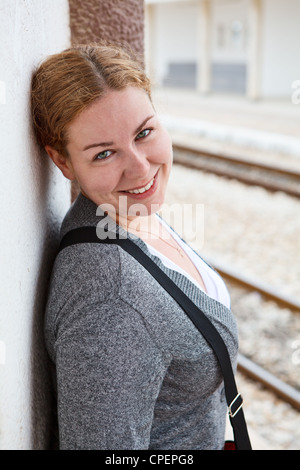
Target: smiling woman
131	370
133	149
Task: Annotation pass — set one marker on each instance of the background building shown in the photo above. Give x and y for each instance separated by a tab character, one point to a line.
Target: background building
247	47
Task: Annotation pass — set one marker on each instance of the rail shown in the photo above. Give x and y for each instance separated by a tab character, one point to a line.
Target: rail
268	292
257	373
249	368
270	177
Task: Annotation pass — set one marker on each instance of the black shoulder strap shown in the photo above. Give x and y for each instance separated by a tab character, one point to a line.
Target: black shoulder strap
200	320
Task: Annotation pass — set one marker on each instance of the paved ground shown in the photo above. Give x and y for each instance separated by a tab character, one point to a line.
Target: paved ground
262	130
277	115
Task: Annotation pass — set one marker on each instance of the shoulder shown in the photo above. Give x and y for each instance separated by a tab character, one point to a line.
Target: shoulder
87	268
82	212
83	278
99	296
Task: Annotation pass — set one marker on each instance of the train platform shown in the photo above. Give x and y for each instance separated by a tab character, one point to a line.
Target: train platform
265	130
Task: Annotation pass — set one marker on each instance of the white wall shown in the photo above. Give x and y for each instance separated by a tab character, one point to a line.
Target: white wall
174	35
174	38
226	47
280	64
34	198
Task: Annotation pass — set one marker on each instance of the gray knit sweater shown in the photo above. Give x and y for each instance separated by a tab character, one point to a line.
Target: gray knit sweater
132	371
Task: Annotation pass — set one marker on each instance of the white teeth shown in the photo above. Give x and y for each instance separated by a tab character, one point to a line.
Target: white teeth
142	190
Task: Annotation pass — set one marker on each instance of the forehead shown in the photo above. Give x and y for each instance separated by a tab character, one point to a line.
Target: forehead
115	112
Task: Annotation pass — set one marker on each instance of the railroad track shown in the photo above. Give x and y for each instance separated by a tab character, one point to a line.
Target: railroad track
270	177
249	368
266	291
284	391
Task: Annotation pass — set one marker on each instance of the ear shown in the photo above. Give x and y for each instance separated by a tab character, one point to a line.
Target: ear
62	162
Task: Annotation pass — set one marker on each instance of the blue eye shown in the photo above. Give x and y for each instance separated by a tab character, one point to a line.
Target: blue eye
143	134
103	155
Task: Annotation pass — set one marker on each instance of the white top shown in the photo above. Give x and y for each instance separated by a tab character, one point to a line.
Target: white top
214	284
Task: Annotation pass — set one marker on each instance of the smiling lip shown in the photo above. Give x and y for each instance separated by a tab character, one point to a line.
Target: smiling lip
142	192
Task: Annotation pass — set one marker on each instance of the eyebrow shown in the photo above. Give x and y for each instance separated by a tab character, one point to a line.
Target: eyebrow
108	144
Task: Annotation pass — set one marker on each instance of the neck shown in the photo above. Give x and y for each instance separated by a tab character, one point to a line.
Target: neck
143	227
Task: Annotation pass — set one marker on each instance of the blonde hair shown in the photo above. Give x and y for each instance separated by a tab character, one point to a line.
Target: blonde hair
67	83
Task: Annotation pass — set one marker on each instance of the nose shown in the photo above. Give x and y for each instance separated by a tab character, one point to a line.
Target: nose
137	165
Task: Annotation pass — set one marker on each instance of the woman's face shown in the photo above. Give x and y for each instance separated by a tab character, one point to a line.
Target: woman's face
119	151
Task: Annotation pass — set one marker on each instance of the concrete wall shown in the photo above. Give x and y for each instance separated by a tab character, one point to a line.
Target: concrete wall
34	198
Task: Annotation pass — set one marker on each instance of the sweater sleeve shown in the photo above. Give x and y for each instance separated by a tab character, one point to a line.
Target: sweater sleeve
109	373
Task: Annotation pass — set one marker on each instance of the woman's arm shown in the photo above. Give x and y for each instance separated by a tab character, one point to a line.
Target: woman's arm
109	373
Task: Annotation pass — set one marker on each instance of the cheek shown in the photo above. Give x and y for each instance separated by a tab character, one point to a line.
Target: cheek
98	180
168	148
168	155
163	150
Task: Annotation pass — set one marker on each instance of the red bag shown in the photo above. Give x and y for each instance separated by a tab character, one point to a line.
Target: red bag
229	445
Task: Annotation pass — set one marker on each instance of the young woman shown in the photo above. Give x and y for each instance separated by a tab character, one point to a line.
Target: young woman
131	369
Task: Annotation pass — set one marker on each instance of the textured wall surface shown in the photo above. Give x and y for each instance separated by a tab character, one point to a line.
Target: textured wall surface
117	20
34	198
